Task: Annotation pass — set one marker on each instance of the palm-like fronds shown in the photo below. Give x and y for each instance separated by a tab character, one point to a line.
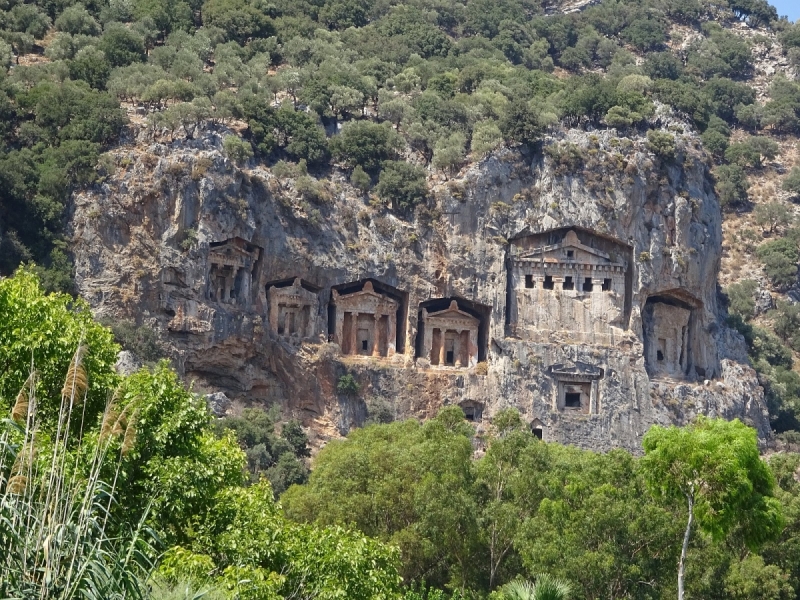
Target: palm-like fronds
545	588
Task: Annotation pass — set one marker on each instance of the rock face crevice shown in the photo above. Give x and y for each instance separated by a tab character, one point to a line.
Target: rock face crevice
584	297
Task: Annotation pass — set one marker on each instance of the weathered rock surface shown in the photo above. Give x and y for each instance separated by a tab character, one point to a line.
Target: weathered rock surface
146	241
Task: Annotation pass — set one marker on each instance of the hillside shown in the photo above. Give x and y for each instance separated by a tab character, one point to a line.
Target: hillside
422	147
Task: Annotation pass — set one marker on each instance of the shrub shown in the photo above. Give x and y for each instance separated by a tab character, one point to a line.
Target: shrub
792	182
752	151
365	144
237	149
731	185
740	298
780	261
661	144
360	179
402	184
347	385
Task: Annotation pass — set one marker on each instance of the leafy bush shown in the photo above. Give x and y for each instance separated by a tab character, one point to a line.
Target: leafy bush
141	340
365	144
780	261
741	298
402	184
347	385
732	185
237	149
792	181
662	144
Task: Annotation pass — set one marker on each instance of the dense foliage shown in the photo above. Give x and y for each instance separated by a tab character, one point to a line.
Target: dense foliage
92	492
527	507
420	84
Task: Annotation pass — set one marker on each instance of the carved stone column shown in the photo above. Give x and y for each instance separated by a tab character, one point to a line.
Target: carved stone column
376	335
352	335
391	334
457	349
473	347
427	340
442	351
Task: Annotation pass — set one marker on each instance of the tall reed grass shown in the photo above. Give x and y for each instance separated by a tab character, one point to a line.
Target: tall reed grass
57	540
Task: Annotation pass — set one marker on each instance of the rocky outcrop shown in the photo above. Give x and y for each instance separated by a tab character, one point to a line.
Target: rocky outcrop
187	242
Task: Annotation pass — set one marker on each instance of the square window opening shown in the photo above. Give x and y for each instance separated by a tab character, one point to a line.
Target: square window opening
537	432
469	413
529	283
570	253
449	360
364	344
548	282
572	400
588	286
569	284
606	285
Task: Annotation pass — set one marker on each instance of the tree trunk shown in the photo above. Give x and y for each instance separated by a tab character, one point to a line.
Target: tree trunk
682	564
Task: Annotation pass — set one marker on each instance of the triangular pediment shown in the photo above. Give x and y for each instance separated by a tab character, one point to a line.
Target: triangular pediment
453	312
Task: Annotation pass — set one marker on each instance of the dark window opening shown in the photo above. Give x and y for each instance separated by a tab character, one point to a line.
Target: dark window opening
606	285
363	344
588	286
548	282
537	432
449	358
570	253
529	281
572	400
568	283
659	355
469	413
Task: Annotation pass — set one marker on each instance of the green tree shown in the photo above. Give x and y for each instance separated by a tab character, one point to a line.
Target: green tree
46	329
402	184
661	143
741	297
772	216
732	185
713	466
365	144
780	259
237	149
792	181
121	45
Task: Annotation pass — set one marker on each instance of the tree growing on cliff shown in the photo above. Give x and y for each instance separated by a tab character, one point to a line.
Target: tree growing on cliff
713	466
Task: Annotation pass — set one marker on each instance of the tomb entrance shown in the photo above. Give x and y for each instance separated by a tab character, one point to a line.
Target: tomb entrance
668	323
231	271
293	308
365	321
577	387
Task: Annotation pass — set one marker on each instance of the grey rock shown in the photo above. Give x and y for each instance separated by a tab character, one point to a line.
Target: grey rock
218	404
131	257
127	363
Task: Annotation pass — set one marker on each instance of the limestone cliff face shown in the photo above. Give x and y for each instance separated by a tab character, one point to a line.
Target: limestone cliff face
200	249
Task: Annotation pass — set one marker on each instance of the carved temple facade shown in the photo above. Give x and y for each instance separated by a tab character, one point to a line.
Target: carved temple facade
232	266
576	285
365	322
294	309
450	337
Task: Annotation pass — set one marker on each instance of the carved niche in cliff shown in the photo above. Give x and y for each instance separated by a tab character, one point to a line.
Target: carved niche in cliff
365	320
232	268
577	387
293	308
668	324
569	280
452	333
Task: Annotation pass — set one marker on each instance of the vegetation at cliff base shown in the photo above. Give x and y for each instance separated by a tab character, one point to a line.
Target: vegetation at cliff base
154	500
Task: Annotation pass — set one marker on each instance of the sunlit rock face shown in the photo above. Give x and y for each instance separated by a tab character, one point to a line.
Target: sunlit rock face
585	299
